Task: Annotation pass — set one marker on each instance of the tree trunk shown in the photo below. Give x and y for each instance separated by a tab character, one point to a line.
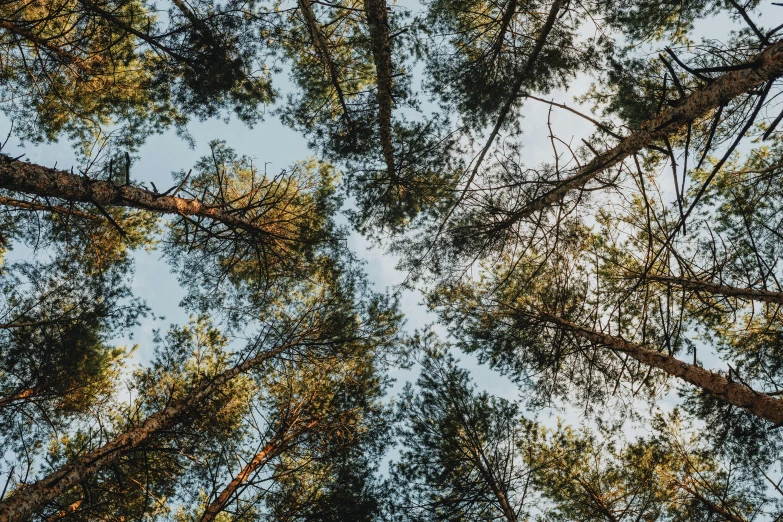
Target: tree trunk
517	87
761	405
258	461
43	181
765	296
278	442
26	500
766	66
19	396
378	22
323	49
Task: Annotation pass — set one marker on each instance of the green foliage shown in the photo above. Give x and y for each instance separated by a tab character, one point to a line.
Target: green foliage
459	457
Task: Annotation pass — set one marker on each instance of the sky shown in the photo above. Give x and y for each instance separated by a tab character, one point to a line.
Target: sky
277	146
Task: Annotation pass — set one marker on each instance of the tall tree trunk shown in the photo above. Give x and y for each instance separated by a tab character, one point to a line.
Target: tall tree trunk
25	501
517	87
500	496
319	41
765	296
474	445
761	405
721	511
35	179
281	439
258	461
766	66
600	505
378	22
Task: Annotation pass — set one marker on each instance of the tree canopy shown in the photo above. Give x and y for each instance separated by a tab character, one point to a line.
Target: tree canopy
585	193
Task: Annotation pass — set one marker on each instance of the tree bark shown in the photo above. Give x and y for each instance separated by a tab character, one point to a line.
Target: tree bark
277	443
19	396
767	65
765	296
378	22
43	181
26	500
761	405
259	460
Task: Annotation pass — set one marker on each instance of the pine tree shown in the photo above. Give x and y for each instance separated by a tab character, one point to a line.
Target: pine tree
460	458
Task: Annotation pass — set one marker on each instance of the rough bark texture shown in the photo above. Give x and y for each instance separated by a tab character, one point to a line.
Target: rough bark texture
767	65
761	405
378	22
766	296
27	500
319	41
30	178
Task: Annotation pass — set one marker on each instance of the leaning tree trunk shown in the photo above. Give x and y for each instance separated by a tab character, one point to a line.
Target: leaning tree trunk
766	66
523	76
38	180
760	404
25	501
281	439
752	294
378	23
321	47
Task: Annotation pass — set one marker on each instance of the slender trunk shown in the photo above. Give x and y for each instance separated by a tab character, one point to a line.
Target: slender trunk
28	205
378	22
43	181
258	461
600	505
19	396
508	512
505	22
28	499
319	41
474	445
276	444
766	296
517	87
761	405
766	66
711	506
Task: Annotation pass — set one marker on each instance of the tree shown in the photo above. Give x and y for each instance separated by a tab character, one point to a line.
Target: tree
460	457
604	278
667	476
